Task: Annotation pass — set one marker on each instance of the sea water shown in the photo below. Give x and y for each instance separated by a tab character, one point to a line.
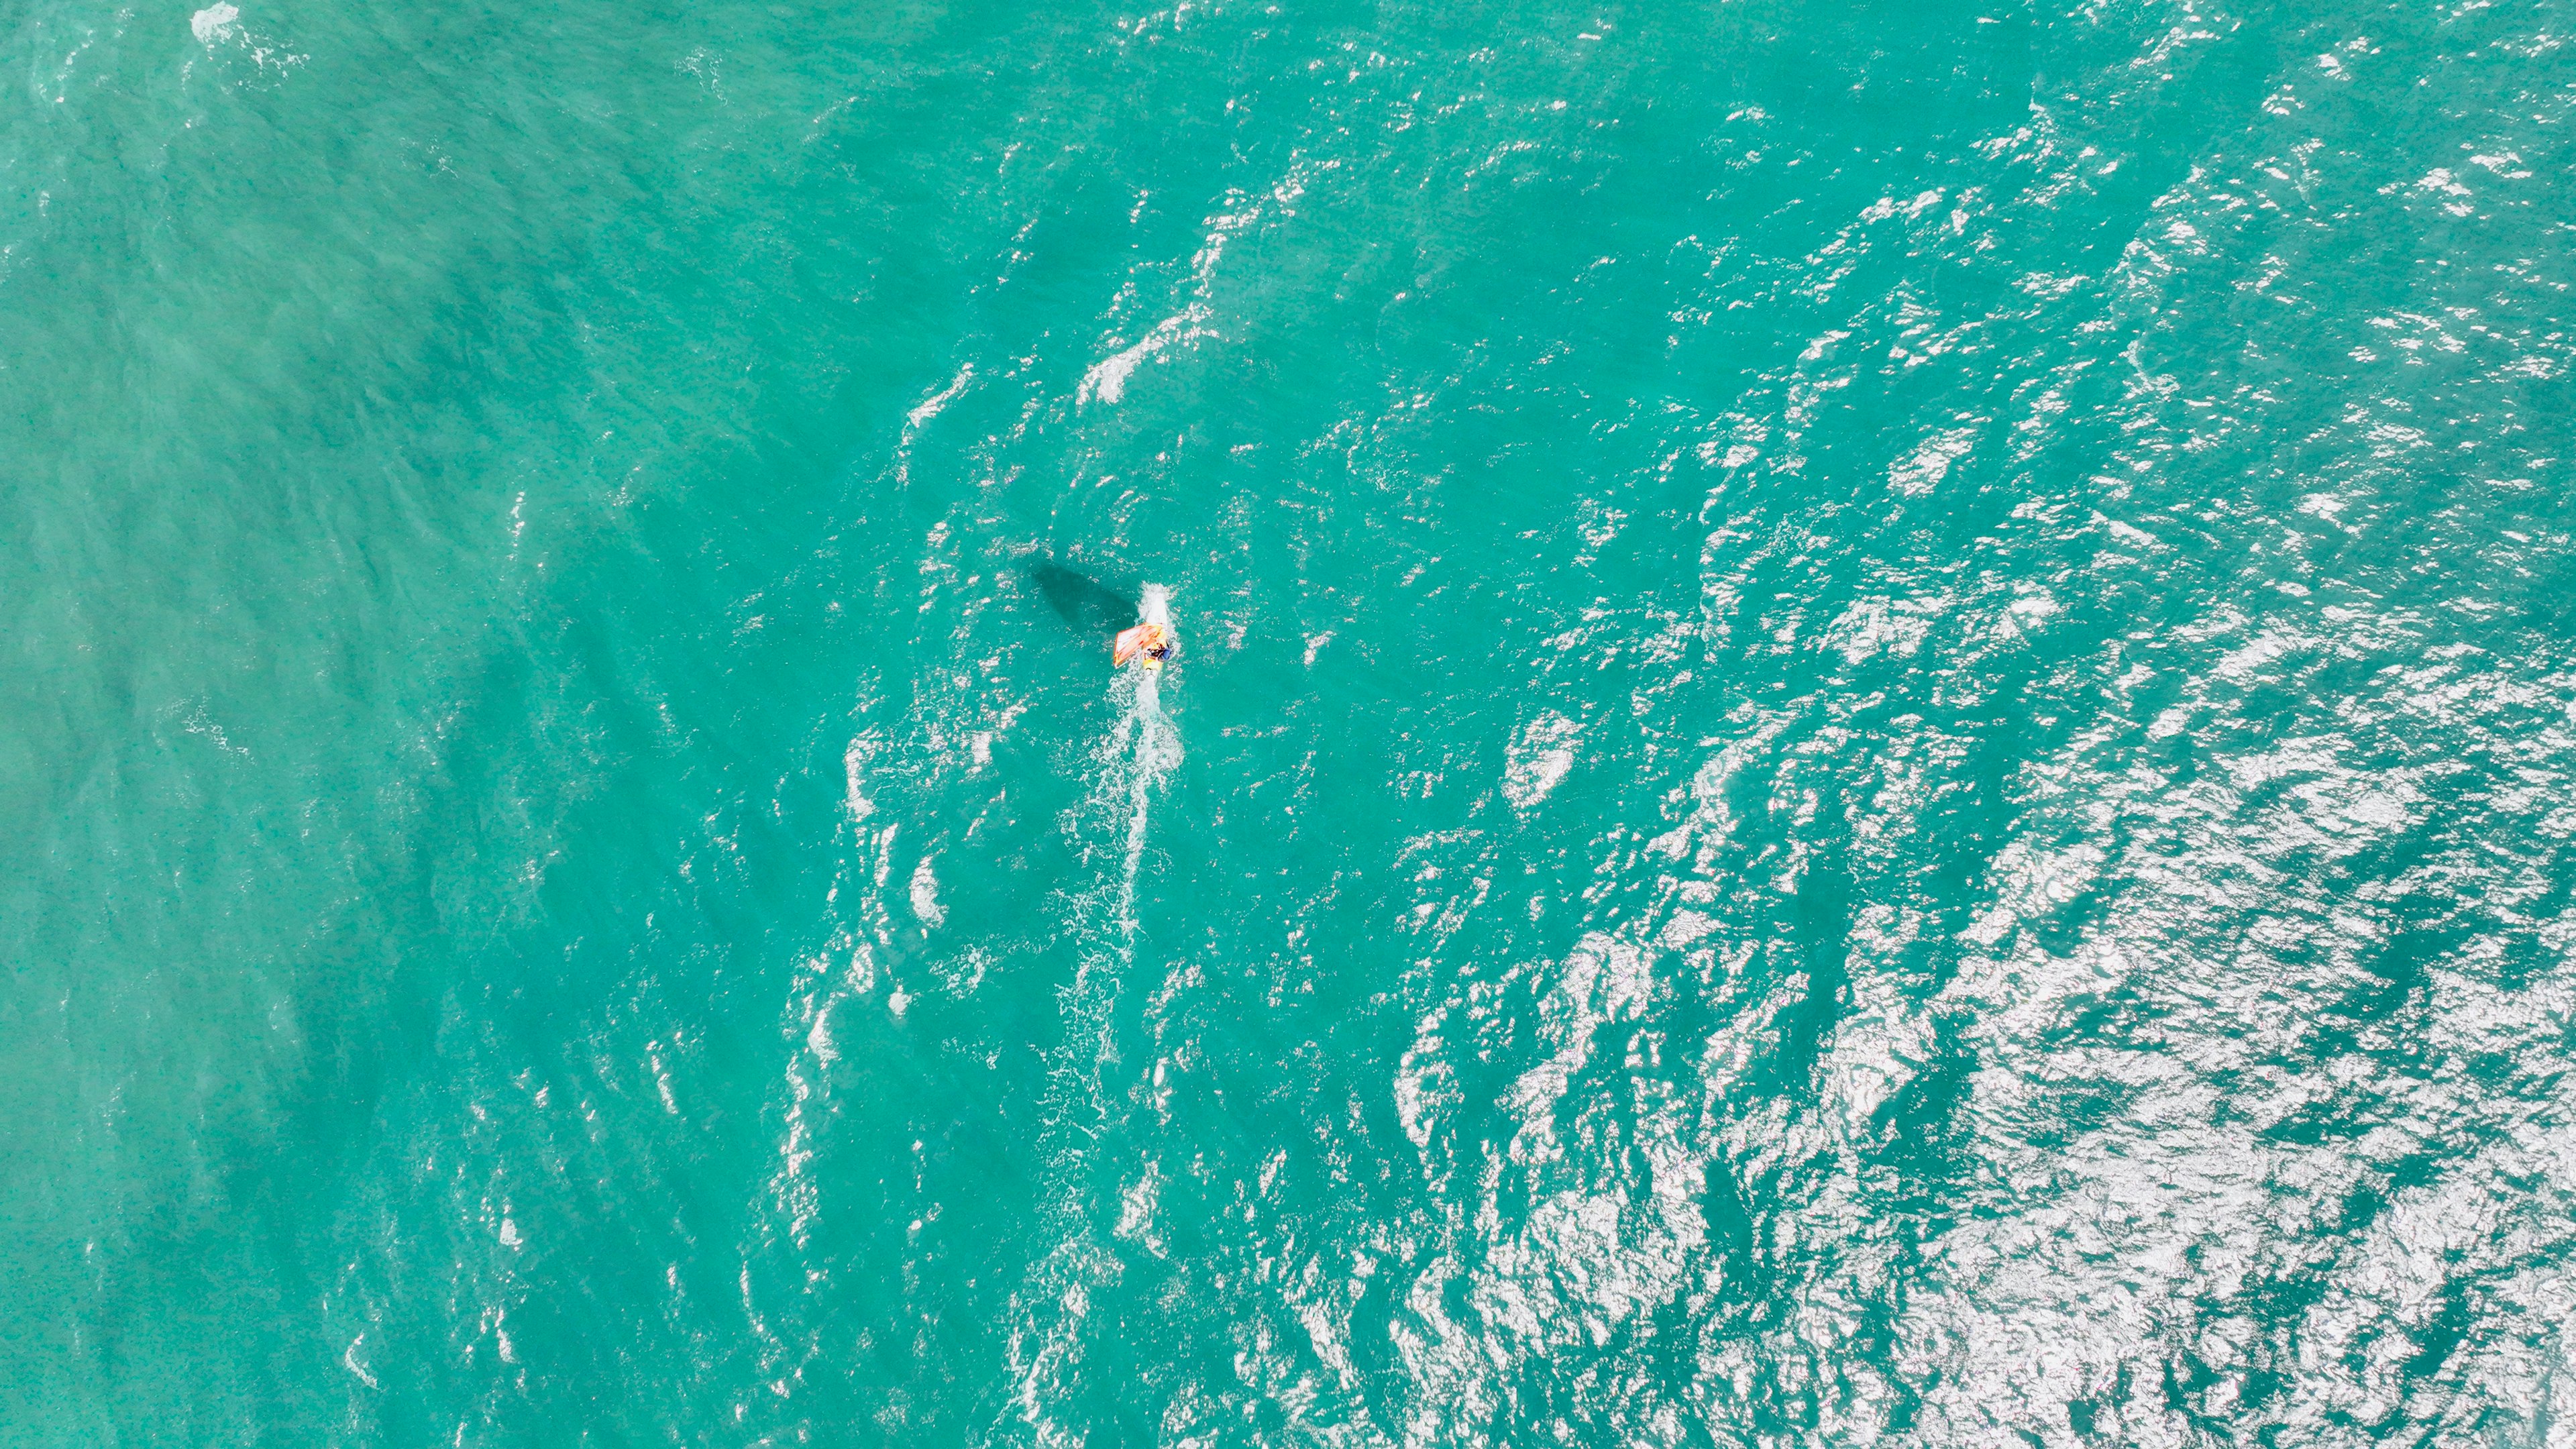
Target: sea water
1872	742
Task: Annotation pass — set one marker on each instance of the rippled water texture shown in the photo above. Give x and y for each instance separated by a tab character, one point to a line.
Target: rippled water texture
1871	740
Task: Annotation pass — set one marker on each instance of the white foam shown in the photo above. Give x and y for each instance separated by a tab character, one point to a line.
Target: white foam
854	767
349	1360
1107	378
1049	1313
929	407
920	416
209	24
925	896
1898	626
1923	471
1539	759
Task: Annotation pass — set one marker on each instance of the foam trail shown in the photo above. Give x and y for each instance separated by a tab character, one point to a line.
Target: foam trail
1149	747
1132	763
1046	1341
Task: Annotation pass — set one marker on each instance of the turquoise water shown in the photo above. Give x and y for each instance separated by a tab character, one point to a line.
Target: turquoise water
1871	746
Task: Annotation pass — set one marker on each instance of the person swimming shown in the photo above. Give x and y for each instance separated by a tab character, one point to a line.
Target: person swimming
1150	642
1152	639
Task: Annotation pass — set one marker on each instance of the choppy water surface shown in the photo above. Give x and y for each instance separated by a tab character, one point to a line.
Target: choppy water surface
1872	741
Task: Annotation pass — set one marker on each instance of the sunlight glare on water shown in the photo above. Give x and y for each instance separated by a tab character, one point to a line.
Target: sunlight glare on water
1871	740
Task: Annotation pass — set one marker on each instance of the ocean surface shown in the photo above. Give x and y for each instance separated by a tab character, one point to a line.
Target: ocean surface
1872	740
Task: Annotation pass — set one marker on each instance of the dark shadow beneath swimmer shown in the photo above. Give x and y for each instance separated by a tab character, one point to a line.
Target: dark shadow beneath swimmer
1081	600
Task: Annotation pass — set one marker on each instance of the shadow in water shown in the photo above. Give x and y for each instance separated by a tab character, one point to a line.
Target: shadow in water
1082	601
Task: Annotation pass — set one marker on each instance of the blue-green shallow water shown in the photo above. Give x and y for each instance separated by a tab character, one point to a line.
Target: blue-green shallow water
1872	742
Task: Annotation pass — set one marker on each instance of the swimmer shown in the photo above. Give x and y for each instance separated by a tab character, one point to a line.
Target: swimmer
1149	642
